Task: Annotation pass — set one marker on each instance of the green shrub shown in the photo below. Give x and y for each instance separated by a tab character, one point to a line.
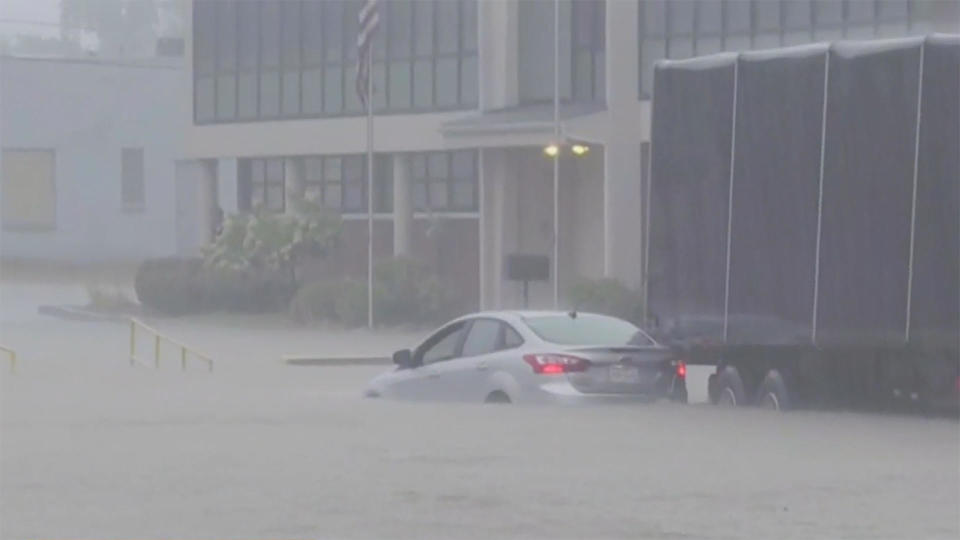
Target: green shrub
404	293
407	292
178	286
106	298
609	297
170	285
350	303
343	302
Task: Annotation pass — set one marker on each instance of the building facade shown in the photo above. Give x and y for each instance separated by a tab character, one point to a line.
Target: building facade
88	154
463	93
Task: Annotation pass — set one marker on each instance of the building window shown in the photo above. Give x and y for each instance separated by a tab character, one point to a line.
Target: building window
444	181
582	50
29	190
588	70
261	185
132	188
340	183
680	29
263	59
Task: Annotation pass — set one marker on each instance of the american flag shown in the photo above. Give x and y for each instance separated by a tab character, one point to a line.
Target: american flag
368	18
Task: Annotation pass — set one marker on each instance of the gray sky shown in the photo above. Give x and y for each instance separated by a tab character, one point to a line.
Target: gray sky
17	16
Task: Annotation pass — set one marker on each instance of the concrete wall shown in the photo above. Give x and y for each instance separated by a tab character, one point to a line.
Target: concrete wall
87	111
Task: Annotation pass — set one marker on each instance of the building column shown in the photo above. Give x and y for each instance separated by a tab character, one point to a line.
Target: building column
622	211
294	184
402	206
207	200
227	186
499	45
622	196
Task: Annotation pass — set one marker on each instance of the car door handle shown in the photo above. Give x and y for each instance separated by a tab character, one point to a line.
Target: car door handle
482	366
433	375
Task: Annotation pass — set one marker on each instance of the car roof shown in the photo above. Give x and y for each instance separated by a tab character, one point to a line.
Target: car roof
525	314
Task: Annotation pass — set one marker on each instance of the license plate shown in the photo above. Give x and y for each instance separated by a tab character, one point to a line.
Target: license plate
624	374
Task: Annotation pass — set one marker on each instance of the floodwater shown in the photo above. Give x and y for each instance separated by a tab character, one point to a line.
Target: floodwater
91	447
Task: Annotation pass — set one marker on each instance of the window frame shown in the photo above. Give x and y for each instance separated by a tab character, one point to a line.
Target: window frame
140	204
12	225
809	24
449	180
344	62
438	336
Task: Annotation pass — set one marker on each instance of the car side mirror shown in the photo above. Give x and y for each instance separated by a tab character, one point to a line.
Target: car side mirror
403	358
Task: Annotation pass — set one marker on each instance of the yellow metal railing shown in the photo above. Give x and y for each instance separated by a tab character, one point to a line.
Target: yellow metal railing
12	356
158	338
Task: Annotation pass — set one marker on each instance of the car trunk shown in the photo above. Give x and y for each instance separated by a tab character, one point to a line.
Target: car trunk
623	370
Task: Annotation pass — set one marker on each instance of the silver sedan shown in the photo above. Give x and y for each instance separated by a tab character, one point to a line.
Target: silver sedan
534	356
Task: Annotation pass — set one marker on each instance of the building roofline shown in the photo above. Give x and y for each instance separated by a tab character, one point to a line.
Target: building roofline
151	63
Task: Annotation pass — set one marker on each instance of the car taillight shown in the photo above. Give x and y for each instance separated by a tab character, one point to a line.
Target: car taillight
555	364
681	370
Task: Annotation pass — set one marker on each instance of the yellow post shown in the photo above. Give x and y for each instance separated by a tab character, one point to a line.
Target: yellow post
156	351
183	358
133	343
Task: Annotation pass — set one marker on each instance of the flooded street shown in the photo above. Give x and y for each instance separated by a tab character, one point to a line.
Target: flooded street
91	447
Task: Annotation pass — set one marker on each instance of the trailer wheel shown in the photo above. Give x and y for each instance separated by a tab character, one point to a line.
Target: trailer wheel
729	385
772	394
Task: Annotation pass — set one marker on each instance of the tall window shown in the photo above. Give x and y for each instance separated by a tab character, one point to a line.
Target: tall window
132	188
444	181
582	50
266	59
28	186
588	24
340	182
261	185
681	29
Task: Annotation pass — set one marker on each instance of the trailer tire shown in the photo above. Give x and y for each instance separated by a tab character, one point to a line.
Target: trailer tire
772	393
729	385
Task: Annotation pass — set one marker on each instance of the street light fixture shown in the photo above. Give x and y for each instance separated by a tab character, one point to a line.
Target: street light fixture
553	149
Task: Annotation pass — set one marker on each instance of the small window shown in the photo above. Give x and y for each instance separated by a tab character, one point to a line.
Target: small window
29	192
132	189
443	345
484	338
511	339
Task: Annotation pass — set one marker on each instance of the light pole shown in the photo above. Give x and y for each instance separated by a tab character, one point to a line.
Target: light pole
556	157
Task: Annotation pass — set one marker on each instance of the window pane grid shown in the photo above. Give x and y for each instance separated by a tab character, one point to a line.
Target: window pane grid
676	29
295	59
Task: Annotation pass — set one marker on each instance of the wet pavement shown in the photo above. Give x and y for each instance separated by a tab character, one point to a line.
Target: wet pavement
91	447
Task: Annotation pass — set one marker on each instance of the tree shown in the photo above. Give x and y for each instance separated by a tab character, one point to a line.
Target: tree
123	27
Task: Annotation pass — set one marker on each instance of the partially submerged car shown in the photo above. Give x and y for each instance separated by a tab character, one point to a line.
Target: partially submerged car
535	356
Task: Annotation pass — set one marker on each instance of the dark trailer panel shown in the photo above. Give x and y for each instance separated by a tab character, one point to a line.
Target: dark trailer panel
773	233
935	298
834	178
872	104
690	166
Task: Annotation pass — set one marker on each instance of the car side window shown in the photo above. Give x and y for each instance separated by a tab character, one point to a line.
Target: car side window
443	345
511	339
483	338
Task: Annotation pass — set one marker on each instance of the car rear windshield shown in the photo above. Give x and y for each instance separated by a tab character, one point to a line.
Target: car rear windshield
586	330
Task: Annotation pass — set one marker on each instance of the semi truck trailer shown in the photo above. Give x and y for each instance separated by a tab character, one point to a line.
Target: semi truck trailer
803	222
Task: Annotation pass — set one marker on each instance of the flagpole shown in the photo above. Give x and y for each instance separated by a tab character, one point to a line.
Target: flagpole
369	100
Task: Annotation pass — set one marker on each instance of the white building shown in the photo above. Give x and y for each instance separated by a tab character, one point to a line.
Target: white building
88	155
463	98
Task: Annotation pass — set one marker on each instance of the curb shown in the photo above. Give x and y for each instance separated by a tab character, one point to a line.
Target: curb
73	313
320	361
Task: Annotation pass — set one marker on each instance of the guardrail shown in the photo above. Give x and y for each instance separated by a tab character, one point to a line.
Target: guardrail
185	351
12	356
